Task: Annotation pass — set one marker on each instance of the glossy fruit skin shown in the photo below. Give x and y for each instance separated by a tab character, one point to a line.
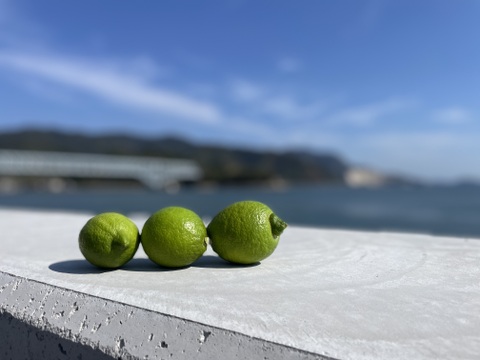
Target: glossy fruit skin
109	240
245	232
174	237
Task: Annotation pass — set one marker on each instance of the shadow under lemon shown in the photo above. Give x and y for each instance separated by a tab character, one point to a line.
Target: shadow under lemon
82	266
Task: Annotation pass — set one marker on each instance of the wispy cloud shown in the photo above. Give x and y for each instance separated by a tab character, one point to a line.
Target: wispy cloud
111	83
264	100
368	115
452	116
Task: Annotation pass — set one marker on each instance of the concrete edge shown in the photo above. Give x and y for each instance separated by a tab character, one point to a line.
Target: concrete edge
63	323
22	341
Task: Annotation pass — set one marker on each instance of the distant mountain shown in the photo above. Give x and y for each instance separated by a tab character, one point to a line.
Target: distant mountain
219	163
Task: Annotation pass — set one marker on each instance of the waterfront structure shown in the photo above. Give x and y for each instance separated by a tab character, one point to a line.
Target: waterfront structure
154	173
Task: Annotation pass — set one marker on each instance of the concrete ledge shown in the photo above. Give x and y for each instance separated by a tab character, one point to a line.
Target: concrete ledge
47	322
322	294
22	341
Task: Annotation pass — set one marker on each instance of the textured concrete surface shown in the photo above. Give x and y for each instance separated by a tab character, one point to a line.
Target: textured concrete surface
338	294
46	322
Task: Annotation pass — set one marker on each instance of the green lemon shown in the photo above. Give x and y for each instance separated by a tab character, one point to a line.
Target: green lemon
245	232
174	237
109	240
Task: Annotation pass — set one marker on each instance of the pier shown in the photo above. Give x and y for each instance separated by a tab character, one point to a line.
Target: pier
154	173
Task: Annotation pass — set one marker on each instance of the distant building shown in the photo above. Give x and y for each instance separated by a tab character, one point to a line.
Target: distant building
361	177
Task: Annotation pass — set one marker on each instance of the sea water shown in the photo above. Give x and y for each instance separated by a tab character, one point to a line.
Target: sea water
433	210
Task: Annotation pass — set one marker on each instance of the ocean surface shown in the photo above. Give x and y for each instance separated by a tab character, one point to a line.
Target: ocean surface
431	210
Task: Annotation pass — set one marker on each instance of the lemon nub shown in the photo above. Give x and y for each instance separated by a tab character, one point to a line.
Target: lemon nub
277	225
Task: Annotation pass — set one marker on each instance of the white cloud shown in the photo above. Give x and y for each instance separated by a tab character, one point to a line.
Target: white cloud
452	116
114	84
367	115
262	100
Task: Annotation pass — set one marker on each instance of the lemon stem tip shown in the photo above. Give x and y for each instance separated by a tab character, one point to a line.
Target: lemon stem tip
277	224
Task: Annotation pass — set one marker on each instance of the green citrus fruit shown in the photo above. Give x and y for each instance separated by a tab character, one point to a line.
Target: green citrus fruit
109	240
245	232
174	237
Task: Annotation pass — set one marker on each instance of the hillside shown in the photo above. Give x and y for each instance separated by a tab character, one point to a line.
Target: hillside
219	163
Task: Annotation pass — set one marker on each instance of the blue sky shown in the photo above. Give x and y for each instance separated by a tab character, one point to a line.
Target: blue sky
391	85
